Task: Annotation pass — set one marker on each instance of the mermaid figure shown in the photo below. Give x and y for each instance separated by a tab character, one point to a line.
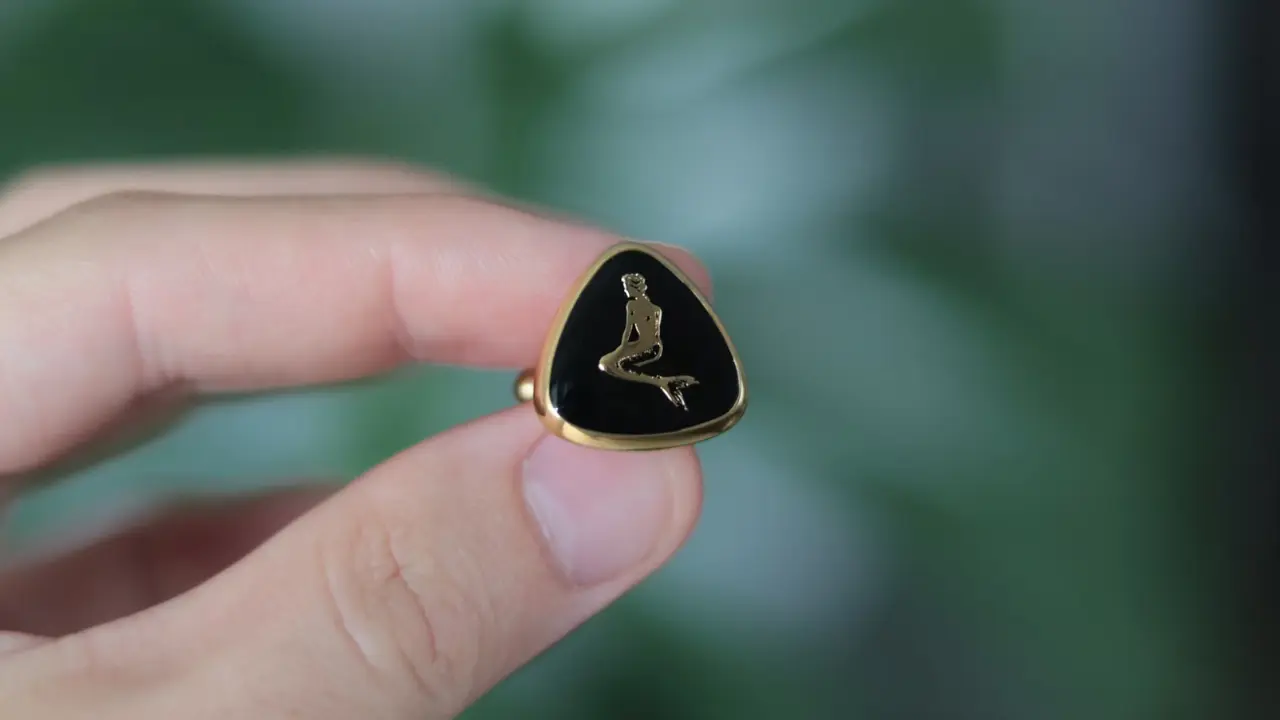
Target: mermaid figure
642	344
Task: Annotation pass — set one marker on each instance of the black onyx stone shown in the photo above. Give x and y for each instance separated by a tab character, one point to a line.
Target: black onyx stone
692	345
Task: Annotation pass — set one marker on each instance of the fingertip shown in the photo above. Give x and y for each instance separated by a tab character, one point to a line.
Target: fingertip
689	264
606	515
684	471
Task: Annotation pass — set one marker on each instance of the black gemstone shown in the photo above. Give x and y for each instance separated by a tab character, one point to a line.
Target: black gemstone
691	345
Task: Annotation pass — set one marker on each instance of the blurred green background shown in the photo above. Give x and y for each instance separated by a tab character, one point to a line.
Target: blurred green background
952	239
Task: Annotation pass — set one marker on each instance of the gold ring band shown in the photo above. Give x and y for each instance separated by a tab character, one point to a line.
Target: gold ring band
636	359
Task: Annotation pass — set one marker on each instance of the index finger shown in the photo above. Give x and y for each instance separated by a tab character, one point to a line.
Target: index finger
43	192
126	295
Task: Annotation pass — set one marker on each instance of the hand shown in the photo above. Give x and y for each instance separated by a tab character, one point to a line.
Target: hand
406	594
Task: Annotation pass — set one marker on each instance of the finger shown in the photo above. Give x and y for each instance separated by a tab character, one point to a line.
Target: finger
407	595
42	193
12	642
122	297
155	559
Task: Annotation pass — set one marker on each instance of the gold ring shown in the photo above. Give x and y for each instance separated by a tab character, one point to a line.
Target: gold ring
636	359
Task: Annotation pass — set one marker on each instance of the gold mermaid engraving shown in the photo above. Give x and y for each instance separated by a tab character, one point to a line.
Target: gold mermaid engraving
642	344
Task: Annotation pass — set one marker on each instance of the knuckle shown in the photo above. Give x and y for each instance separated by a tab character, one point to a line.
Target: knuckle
412	619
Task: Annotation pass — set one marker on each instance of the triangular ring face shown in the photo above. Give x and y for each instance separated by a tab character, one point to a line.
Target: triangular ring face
638	360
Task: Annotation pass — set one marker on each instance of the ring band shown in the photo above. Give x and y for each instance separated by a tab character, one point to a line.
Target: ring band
636	359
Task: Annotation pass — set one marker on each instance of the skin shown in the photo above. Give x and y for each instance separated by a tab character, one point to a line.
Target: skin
129	293
642	344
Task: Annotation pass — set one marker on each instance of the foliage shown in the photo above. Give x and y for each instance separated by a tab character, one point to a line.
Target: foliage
961	488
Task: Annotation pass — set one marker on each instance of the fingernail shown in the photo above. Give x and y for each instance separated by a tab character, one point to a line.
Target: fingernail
674	251
601	512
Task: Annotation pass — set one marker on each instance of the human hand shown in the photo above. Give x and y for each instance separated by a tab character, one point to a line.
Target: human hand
408	593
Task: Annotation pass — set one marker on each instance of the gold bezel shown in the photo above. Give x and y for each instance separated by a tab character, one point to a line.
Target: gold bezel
607	441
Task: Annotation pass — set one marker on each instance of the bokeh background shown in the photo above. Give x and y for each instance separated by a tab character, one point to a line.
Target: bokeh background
970	251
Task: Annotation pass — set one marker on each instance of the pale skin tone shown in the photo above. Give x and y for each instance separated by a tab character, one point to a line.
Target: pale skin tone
642	344
129	293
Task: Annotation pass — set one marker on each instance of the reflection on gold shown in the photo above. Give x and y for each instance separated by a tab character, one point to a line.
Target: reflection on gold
642	344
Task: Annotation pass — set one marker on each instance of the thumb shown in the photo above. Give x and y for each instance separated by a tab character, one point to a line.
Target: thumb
407	595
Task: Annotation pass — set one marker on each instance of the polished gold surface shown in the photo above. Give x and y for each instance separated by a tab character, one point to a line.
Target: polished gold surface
535	382
642	344
524	386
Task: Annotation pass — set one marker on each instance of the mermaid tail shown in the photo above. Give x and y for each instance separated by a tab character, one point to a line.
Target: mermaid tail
621	364
672	385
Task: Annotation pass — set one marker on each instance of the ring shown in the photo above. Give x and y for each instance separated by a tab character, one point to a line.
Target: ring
636	359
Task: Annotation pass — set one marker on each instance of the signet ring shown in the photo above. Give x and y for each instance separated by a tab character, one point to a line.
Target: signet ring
636	359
